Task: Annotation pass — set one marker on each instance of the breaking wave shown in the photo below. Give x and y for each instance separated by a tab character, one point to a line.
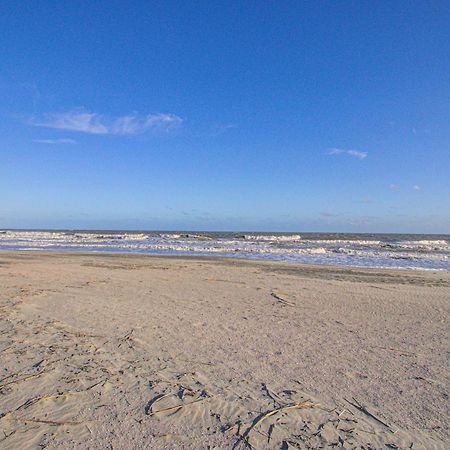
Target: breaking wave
406	251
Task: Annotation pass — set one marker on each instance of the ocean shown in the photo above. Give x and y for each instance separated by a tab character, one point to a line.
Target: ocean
406	251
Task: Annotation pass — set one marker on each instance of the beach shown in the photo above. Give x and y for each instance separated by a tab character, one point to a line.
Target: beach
129	351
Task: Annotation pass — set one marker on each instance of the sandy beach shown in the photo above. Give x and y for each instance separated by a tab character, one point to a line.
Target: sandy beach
143	352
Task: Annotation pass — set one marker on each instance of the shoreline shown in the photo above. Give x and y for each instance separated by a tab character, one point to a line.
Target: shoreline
223	259
395	251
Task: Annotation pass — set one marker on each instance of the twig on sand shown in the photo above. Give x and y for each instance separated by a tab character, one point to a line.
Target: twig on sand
272	395
33	375
364	410
102	382
6	348
395	350
196	362
148	407
281	299
126	337
18	372
75	332
227	429
244	437
32	401
56	422
269	433
7	435
174	408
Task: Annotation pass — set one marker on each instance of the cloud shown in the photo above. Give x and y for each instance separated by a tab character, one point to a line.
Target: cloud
417	131
417	188
393	187
353	153
219	129
54	141
357	154
88	122
134	124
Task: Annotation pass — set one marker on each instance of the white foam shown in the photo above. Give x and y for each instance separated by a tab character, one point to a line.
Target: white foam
275	238
432	254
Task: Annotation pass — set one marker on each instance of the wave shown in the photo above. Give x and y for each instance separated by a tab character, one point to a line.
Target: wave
276	238
425	253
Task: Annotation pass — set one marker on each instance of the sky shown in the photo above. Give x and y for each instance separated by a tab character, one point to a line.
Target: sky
225	115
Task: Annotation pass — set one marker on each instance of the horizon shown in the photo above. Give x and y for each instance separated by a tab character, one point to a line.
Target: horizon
271	117
250	232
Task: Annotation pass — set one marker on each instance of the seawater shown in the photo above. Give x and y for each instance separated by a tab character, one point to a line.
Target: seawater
408	251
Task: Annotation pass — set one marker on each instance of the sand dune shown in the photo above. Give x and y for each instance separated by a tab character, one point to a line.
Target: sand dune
139	352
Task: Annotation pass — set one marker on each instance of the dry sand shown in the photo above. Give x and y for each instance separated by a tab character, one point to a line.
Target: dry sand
132	351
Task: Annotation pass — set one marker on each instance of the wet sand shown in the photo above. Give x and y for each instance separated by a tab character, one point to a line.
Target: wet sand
137	351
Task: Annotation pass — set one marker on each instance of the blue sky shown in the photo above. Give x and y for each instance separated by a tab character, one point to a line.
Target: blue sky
233	115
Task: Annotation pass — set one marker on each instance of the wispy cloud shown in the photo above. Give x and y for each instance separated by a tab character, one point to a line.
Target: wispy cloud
417	188
417	131
54	141
341	151
93	123
219	129
393	186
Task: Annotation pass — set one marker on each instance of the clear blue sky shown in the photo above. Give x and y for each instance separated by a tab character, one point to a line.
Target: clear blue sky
250	115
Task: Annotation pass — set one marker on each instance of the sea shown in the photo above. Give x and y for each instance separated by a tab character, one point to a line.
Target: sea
405	251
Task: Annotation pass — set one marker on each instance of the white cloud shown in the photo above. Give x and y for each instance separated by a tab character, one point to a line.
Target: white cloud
335	151
218	129
357	154
93	123
417	188
54	141
82	121
393	187
353	153
134	124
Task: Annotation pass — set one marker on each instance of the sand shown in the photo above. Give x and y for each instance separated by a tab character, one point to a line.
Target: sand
143	352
